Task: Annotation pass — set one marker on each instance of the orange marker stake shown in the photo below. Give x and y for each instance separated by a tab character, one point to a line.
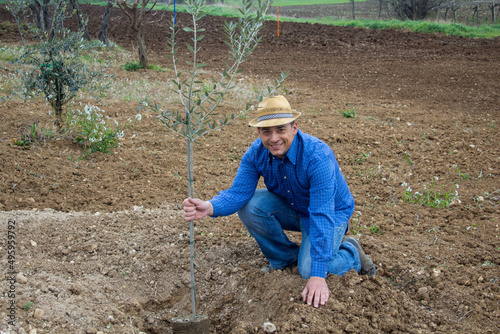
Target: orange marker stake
278	21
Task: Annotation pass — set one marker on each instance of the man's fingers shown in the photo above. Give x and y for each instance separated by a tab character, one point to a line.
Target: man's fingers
324	297
304	294
310	297
188	202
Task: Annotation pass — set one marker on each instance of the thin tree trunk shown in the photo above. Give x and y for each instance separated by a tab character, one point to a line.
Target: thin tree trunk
141	45
80	19
190	176
45	16
492	7
35	9
40	10
106	16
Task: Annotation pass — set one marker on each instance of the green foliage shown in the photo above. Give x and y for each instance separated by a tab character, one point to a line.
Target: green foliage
196	111
93	131
355	226
452	29
375	229
33	133
28	306
53	66
350	113
135	65
406	157
429	196
362	158
132	66
463	176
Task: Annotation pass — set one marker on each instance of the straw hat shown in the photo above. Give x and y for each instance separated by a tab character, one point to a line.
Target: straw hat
273	111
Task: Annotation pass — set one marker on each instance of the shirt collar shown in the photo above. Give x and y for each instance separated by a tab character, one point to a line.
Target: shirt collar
291	154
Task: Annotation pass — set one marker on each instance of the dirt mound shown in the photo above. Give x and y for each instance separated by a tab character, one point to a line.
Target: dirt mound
102	245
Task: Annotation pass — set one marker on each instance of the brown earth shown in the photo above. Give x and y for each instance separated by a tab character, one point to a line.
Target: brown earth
102	245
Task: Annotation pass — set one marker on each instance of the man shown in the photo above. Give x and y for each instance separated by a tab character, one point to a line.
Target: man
305	191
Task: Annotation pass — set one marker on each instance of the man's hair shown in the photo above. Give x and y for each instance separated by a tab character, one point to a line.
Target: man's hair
292	123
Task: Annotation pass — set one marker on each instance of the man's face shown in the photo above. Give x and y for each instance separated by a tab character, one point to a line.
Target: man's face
278	139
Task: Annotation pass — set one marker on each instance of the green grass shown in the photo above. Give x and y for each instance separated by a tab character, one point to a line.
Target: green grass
452	29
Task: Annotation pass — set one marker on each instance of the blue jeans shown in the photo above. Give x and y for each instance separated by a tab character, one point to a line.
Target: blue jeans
266	216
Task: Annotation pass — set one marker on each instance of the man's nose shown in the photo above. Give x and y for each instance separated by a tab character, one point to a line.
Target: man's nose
274	137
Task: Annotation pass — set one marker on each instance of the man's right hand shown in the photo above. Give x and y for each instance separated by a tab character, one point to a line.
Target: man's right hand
195	208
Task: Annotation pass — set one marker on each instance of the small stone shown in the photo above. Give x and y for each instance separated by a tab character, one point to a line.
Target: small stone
20	278
269	327
423	290
33	243
33	331
38	313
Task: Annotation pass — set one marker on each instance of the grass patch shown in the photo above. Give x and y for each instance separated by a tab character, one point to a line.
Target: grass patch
452	29
430	196
350	113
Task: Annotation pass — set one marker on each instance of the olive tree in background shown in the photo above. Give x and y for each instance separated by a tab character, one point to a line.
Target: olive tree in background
52	66
414	9
106	16
136	11
196	111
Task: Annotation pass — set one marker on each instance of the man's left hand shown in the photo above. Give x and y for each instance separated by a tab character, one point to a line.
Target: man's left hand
316	292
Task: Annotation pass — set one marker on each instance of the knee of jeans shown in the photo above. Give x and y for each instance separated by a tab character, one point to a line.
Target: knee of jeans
253	205
244	214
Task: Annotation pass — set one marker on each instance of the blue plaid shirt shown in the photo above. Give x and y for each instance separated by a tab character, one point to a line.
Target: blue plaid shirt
308	178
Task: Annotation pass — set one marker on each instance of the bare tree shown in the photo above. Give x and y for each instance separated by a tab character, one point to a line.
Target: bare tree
492	6
106	16
81	19
40	10
414	9
136	11
352	9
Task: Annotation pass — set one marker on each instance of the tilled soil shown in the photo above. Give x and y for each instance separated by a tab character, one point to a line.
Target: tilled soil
102	246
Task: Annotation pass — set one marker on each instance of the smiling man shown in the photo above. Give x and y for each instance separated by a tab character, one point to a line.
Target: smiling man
305	191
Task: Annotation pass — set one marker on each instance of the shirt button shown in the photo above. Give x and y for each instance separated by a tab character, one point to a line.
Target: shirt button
292	203
284	177
288	190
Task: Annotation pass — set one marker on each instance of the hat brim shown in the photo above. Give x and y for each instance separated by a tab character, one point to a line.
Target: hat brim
273	122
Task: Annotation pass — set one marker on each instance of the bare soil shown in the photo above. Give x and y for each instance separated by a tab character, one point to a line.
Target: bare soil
102	245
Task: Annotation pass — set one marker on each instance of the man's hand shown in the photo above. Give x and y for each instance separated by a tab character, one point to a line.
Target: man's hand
195	208
316	292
